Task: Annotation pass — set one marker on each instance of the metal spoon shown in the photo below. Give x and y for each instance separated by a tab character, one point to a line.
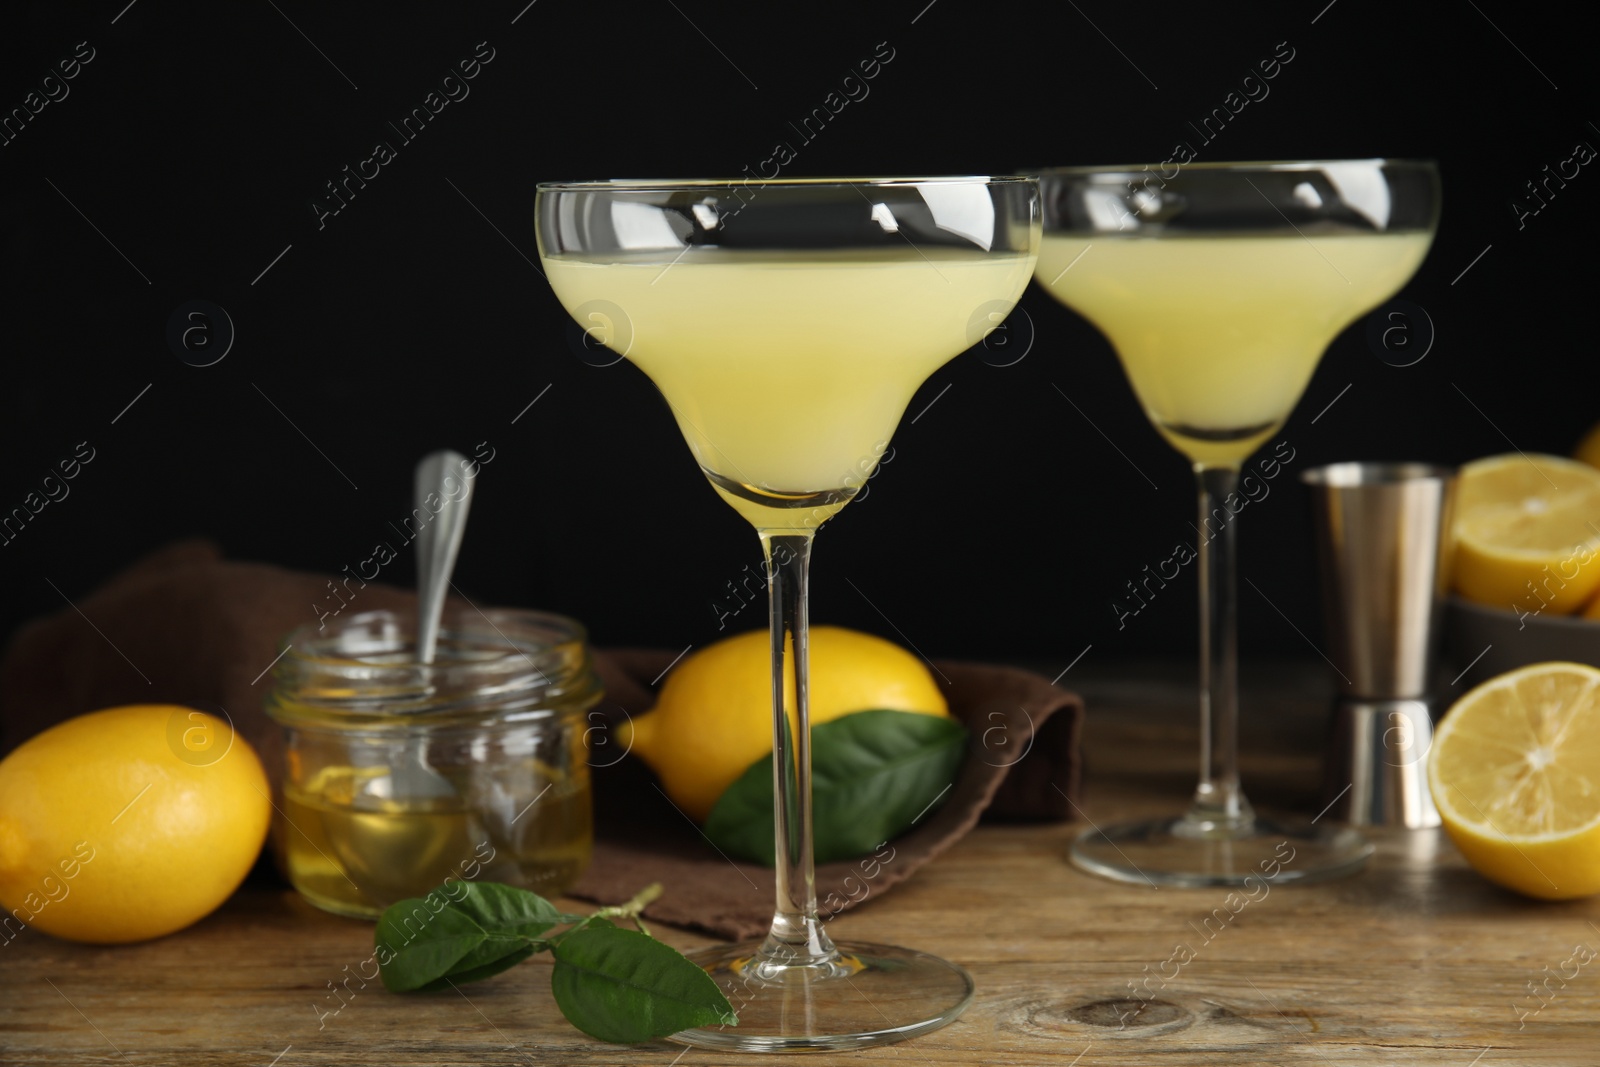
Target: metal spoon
439	540
442	490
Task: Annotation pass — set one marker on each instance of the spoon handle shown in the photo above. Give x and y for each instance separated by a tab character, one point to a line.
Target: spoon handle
443	495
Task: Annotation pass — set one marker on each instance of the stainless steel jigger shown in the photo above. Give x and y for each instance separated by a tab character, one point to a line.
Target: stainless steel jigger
1383	539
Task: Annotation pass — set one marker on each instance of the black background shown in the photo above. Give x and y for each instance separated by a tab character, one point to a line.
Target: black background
199	134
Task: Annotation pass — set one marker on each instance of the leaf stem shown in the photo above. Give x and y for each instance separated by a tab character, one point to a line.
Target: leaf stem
630	909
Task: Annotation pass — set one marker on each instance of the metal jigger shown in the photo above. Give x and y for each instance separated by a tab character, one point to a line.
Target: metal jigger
1383	540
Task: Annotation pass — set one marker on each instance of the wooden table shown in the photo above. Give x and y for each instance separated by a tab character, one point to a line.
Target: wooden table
1416	960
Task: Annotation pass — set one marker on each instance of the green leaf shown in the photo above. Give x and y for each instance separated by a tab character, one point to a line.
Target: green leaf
479	930
423	944
611	983
463	974
493	948
504	909
623	986
873	774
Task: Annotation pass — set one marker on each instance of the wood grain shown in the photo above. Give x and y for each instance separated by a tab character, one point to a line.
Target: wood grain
1416	960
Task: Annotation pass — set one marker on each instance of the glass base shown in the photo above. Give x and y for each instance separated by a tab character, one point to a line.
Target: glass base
1168	852
872	995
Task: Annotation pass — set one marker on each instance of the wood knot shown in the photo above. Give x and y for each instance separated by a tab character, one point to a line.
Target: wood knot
1127	1013
1113	1016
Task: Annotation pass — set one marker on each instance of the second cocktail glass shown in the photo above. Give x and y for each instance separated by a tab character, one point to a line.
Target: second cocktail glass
1221	285
787	324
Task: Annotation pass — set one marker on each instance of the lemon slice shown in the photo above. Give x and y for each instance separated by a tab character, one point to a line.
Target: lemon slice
1515	773
1528	533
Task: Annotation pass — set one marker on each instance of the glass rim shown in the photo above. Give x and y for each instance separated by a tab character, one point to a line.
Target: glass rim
637	185
516	677
1376	474
572	634
1237	165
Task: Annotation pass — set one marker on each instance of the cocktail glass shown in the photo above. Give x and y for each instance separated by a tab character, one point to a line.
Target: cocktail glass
787	324
1221	285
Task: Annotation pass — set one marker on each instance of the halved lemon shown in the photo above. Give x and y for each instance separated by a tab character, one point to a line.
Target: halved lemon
1528	533
1515	773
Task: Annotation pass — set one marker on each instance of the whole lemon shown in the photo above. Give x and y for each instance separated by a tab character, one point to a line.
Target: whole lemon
713	718
128	823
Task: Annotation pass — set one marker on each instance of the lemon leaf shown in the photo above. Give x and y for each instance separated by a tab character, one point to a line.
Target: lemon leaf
505	909
873	775
622	986
610	983
462	931
487	960
422	943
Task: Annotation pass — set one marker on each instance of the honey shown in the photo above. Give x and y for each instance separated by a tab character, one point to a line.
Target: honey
400	776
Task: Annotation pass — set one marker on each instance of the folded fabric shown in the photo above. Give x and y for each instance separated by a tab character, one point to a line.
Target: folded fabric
185	626
1022	762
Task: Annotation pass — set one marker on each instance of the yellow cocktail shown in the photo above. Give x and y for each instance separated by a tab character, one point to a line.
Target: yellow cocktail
788	324
1219	333
788	372
1220	286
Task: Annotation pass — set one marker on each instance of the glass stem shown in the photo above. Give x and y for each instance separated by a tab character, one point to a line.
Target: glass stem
796	938
1219	808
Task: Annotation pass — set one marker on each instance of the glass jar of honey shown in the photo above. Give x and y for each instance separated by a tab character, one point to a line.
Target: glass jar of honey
399	775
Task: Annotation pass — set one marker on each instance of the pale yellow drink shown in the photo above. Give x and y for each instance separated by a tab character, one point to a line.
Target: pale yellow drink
788	372
1220	334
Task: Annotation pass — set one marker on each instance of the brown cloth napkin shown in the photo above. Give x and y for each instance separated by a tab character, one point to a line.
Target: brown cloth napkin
1022	762
185	626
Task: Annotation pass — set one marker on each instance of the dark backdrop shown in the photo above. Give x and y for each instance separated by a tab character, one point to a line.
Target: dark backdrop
182	161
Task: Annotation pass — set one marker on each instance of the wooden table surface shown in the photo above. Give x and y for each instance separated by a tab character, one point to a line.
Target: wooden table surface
1416	960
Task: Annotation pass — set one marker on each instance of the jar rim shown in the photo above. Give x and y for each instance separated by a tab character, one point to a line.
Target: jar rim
499	664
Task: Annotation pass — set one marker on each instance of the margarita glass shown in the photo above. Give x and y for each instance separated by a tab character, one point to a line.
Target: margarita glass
788	324
1221	285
